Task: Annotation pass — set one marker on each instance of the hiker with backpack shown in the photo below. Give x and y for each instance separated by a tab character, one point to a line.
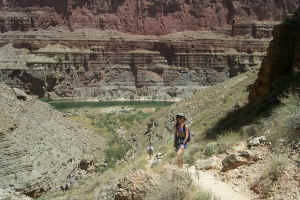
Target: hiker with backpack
181	137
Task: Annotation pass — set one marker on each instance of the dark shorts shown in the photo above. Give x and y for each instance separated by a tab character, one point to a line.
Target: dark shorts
180	142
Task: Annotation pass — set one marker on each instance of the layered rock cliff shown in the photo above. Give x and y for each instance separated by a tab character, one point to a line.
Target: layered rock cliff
110	65
282	58
39	148
139	16
68	48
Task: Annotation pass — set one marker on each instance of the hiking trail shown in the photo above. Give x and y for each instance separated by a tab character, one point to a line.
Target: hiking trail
219	189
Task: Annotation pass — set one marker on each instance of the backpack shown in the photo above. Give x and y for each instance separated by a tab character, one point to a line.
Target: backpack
177	138
189	136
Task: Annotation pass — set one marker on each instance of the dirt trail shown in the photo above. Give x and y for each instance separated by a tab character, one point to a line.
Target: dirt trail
219	189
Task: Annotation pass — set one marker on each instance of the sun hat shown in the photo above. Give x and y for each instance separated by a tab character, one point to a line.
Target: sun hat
180	115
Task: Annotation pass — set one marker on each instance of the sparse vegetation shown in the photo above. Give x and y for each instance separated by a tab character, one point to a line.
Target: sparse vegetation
111	121
210	149
116	150
64	105
274	169
227	140
174	186
202	195
221	118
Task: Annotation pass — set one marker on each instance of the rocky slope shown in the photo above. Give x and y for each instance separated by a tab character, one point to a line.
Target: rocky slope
40	149
282	58
139	16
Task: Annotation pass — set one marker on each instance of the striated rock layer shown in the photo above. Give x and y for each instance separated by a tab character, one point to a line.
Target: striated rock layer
75	49
139	16
108	65
282	57
39	149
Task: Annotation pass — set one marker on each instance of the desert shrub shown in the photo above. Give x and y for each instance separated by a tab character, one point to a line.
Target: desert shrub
116	150
111	121
64	105
106	121
274	169
202	195
191	153
210	149
223	143
226	141
293	129
139	116
189	159
174	186
287	122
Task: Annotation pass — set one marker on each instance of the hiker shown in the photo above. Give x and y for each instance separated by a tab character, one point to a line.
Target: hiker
150	151
181	137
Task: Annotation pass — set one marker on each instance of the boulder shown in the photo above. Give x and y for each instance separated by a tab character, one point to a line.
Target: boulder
211	163
255	141
248	155
134	186
233	161
20	94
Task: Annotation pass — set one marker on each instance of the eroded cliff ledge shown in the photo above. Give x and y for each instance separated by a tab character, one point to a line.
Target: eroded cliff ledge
109	65
76	49
152	17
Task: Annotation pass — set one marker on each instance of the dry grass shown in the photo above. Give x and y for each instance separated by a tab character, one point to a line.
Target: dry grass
171	186
220	116
275	166
204	110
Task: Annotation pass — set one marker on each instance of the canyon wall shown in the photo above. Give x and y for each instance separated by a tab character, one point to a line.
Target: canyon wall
111	65
152	17
282	58
94	48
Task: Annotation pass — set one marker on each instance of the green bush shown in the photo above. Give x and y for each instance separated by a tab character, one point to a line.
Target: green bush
274	169
226	141
64	105
210	149
116	150
201	195
171	186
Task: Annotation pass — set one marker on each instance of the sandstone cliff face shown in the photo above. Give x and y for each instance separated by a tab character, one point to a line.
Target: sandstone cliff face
140	16
63	48
39	149
110	65
282	57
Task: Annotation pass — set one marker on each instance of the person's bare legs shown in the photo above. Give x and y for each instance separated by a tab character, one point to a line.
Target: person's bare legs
179	157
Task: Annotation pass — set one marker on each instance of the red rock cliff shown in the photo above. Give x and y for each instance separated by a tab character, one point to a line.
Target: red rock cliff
146	16
283	57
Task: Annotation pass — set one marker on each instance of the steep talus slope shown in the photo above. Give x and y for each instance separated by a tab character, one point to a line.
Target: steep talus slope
39	148
143	16
282	58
